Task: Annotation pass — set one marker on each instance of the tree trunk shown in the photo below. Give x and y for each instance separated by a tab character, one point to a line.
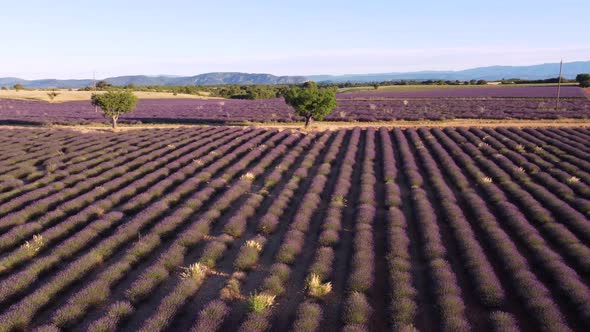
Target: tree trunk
114	122
307	119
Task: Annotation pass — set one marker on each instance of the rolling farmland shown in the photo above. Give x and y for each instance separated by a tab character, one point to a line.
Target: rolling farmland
250	229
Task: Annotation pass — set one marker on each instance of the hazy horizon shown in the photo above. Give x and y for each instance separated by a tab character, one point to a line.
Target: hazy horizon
69	40
295	74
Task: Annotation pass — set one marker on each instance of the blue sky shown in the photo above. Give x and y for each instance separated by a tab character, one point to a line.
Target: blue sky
70	39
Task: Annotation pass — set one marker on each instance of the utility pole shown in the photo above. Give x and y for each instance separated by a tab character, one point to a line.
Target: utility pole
94	85
558	85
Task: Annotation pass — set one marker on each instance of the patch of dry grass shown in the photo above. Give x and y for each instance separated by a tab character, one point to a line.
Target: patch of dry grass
63	95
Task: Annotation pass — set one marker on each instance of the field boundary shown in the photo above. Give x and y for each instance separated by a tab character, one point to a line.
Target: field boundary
329	125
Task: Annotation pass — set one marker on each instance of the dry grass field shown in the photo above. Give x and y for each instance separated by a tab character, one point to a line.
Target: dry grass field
66	95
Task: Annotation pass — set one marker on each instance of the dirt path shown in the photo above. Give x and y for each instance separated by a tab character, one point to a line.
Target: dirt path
379	303
328	125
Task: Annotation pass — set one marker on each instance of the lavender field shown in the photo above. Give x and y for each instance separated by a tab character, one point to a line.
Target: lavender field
476	92
472	103
248	229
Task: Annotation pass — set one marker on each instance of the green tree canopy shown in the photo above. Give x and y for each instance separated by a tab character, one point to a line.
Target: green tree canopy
584	80
18	86
115	103
103	85
309	101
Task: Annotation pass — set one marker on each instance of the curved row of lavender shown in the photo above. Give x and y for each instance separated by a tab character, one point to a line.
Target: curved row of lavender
195	110
476	92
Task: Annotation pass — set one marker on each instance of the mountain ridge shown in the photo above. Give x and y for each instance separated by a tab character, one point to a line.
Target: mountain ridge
491	73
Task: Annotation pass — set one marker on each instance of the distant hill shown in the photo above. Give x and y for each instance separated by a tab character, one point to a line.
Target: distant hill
140	80
492	73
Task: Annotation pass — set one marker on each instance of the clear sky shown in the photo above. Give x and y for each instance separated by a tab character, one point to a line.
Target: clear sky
70	39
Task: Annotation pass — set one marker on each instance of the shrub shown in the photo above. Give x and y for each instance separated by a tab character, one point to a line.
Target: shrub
322	265
338	200
309	315
195	271
249	253
280	270
259	302
211	317
329	237
236	226
212	252
268	224
231	290
255	322
247	176
503	322
34	245
274	285
316	288
356	309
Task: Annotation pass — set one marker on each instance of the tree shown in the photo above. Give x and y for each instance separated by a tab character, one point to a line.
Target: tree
310	101
482	82
583	80
375	86
18	86
103	85
52	95
115	103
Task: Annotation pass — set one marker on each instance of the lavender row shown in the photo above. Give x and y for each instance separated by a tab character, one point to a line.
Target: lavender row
22	279
309	312
215	248
531	291
553	155
120	190
449	302
475	92
357	310
266	226
565	151
97	291
21	313
195	110
570	284
403	293
109	168
86	158
538	213
54	161
550	192
172	302
292	244
564	182
481	273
